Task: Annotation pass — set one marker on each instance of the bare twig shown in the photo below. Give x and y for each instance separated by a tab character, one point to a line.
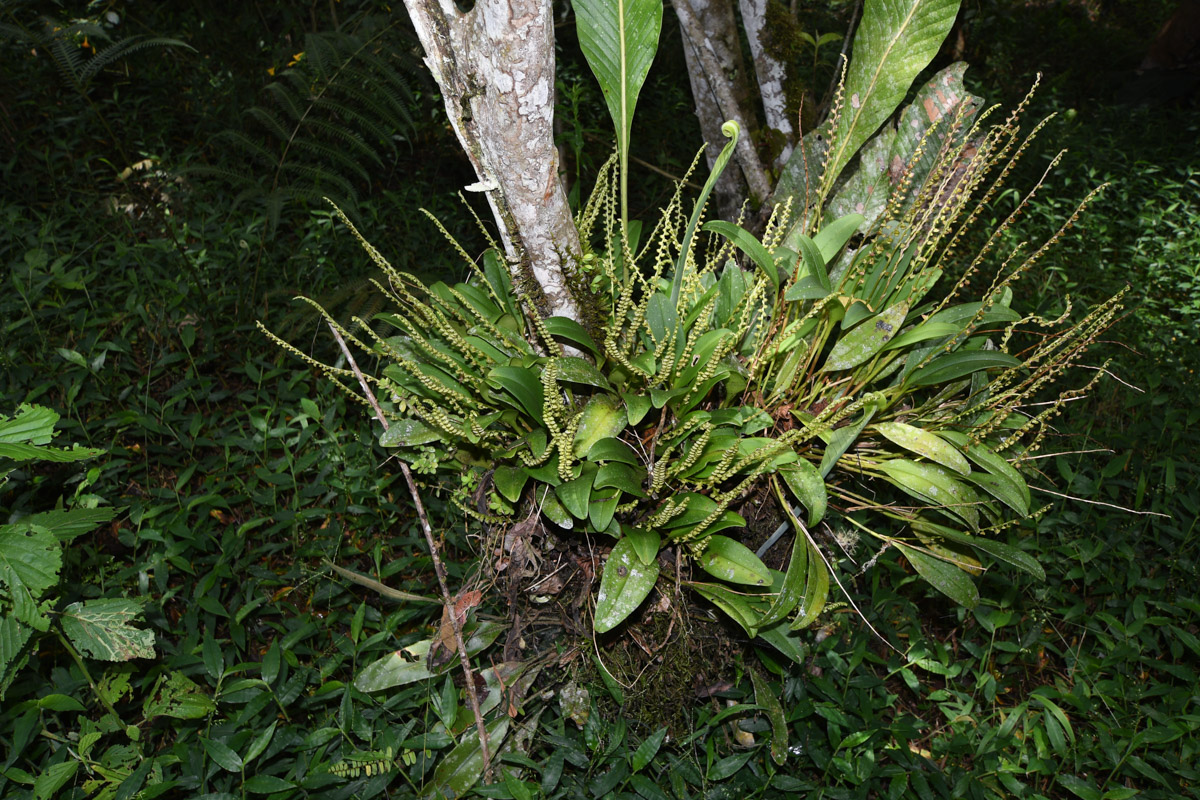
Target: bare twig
439	569
1099	503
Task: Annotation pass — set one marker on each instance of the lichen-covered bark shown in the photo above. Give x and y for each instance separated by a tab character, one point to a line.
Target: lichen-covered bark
720	84
495	67
770	74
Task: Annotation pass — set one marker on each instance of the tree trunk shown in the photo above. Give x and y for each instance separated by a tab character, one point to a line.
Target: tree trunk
770	74
722	91
495	67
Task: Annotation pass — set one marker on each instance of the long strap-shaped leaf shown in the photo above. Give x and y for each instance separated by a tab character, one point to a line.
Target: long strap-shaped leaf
896	40
619	39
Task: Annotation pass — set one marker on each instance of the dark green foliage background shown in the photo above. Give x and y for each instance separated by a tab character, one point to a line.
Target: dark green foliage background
239	473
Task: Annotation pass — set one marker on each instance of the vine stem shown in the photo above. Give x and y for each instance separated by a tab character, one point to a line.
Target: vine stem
438	567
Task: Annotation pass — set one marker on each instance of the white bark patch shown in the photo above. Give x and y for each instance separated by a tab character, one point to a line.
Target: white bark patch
770	74
497	63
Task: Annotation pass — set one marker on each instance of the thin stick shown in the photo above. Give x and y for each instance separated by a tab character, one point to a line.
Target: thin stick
438	568
1098	503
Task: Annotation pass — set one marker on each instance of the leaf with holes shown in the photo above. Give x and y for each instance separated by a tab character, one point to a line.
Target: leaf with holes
101	629
623	586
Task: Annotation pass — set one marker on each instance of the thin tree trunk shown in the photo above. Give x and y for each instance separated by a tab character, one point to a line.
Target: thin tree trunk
770	74
495	67
710	36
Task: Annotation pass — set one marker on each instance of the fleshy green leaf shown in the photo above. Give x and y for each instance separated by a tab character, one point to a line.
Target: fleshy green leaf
573	369
603	418
806	483
510	481
935	486
816	589
101	629
791	587
766	698
461	768
1005	552
734	604
959	364
748	244
732	561
408	433
523	384
925	443
946	578
867	339
409	664
623	586
613	449
645	543
572	331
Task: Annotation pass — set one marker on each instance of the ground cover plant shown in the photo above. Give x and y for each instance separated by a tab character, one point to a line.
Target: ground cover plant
234	480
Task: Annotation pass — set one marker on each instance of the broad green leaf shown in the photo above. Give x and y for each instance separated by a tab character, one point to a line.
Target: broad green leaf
866	190
14	635
66	524
613	449
619	39
29	565
524	385
766	698
101	629
925	443
575	494
922	333
572	331
621	476
645	543
623	586
636	406
816	589
461	768
267	784
894	42
730	290
603	418
602	509
179	697
806	483
408	433
573	369
510	481
54	778
833	237
732	561
736	605
842	439
1005	552
1016	491
867	339
410	664
1001	489
554	510
31	424
780	637
647	750
661	317
946	578
959	364
791	587
221	753
935	486
699	506
748	244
